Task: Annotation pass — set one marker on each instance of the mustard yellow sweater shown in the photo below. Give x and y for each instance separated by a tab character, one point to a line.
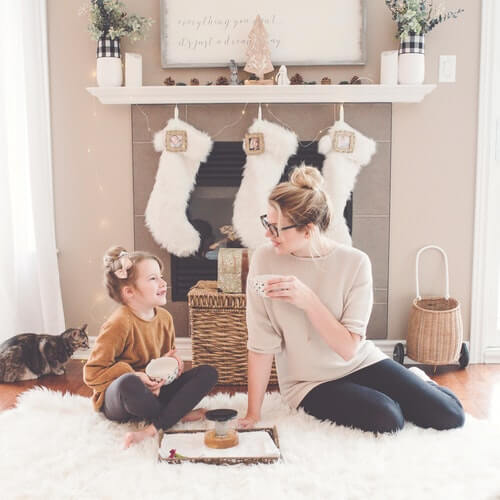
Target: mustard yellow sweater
125	344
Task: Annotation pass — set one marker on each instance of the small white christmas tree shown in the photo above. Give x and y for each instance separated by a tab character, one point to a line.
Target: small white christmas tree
258	53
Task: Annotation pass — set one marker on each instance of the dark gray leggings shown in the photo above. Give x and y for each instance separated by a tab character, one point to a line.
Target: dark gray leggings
380	397
128	399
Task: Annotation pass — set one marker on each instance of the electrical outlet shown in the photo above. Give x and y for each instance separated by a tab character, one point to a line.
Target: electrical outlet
447	69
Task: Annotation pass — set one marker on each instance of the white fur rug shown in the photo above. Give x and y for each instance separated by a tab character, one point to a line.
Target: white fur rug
56	446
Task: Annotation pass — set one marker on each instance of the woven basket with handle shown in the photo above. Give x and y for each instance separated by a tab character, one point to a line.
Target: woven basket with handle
435	330
219	332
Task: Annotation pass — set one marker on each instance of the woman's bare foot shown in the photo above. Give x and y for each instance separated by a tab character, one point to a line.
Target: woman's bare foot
138	436
192	416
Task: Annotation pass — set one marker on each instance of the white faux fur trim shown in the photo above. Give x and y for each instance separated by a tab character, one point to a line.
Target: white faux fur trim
340	171
262	173
166	210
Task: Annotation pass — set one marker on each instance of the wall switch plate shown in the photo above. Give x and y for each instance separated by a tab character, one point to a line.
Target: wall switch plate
447	69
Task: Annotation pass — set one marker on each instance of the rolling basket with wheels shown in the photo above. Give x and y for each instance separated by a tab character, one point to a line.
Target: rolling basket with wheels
435	331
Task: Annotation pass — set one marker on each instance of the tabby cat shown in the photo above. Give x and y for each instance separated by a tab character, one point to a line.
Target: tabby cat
29	355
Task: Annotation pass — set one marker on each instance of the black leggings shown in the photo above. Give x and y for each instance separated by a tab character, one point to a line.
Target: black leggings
380	397
128	399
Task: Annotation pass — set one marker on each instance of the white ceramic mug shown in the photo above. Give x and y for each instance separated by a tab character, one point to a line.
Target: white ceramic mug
163	368
260	281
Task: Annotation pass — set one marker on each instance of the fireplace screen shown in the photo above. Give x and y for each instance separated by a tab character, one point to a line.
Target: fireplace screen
210	211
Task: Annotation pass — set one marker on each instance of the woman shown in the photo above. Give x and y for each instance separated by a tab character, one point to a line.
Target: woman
313	320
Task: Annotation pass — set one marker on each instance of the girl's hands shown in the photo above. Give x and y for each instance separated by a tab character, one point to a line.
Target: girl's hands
290	289
173	354
153	385
248	422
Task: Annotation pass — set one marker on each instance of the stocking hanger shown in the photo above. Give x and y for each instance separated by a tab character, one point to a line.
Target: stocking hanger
341	111
176	112
259	114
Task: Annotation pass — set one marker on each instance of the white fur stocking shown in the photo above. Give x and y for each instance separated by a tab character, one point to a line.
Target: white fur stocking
166	211
340	171
262	172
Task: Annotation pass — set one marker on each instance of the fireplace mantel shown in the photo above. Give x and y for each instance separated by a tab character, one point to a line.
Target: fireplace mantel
220	94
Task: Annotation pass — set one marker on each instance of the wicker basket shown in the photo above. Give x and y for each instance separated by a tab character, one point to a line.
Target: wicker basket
435	330
219	332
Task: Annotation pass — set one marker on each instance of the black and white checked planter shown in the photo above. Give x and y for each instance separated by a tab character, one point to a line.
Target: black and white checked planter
411	64
109	71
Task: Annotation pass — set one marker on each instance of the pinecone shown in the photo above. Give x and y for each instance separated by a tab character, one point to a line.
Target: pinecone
296	79
194	81
169	81
222	80
326	81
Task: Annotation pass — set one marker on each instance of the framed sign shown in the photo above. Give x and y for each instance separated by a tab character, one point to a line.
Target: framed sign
320	32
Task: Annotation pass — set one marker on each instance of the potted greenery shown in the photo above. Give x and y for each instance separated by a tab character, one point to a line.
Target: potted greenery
108	22
414	19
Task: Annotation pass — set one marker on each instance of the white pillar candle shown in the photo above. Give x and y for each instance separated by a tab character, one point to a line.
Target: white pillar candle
389	67
133	70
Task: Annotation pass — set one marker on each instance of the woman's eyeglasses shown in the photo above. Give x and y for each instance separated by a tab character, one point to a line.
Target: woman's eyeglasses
273	228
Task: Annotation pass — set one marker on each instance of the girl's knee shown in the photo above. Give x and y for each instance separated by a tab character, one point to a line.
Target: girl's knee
129	382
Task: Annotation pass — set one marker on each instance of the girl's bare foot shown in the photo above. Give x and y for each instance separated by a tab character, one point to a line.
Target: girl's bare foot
138	436
198	414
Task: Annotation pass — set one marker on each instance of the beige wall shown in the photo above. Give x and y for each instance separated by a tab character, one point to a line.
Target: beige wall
433	157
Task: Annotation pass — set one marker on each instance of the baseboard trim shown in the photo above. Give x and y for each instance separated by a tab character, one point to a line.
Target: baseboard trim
386	346
84	354
185	350
492	355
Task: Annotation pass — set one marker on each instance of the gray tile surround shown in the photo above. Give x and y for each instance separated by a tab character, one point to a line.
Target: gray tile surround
371	198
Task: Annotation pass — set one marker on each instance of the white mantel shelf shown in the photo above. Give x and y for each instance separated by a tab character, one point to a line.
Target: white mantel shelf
215	94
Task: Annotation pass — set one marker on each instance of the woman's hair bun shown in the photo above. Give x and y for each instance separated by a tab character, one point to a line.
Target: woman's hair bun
306	177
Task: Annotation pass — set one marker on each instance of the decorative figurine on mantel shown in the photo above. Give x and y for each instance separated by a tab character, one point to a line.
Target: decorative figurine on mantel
258	54
233	68
282	76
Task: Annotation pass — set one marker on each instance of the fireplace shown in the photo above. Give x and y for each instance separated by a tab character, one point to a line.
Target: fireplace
367	214
210	209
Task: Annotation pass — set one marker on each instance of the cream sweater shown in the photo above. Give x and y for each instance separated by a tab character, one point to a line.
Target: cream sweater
342	279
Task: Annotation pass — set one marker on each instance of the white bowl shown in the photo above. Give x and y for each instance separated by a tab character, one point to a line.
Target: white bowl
260	281
163	368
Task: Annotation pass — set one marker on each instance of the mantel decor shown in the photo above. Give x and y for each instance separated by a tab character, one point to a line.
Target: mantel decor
333	32
108	22
415	18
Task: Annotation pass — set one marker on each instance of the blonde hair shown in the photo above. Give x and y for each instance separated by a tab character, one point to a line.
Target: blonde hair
302	199
113	263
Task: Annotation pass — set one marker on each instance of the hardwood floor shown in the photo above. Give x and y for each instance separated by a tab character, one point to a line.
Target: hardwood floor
478	387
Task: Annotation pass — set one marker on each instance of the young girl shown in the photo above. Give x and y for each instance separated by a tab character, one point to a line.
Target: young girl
137	332
313	321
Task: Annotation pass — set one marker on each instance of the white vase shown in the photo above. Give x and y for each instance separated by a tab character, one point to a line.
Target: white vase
109	72
411	63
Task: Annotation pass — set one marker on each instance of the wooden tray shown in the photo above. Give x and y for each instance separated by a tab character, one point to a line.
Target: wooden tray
273	432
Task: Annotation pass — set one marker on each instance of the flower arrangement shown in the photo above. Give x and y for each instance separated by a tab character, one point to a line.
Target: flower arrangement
109	19
417	17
